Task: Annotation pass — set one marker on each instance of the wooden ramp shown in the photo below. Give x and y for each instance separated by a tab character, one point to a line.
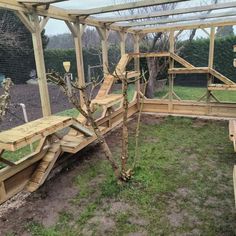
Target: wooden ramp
44	168
103	98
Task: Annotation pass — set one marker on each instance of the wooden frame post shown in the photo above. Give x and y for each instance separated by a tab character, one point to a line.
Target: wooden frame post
210	62
136	38
123	37
40	64
77	32
104	33
171	65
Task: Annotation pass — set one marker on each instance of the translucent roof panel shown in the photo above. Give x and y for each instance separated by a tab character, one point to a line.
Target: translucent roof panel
75	4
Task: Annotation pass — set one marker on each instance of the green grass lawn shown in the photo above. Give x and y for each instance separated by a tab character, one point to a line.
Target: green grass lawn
194	93
182	185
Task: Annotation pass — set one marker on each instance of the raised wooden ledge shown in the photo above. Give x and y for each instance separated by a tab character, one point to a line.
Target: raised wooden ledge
20	136
23	135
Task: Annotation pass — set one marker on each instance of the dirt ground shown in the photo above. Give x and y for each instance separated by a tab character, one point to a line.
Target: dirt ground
60	202
29	95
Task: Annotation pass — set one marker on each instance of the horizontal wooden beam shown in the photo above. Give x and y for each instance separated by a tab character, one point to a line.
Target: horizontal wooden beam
178	19
194	70
185	26
219	87
154	54
40	2
179	11
122	7
192	108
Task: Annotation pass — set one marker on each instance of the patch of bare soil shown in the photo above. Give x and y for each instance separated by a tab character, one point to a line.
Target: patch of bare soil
46	203
57	193
29	95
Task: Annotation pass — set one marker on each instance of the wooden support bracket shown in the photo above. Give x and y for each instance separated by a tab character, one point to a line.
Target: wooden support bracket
26	21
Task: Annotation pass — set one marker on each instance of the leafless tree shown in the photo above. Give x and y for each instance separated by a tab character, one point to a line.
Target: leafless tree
5	97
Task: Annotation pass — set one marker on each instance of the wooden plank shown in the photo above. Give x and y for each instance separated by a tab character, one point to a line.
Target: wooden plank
177	11
7	162
184	26
79	57
120	68
232	130
234	181
40	66
220	87
3	195
108	100
20	136
123	6
105	86
195	70
150	54
227	110
181	61
169	20
82	128
221	77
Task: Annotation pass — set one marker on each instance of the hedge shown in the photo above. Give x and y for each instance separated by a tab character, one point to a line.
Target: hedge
195	52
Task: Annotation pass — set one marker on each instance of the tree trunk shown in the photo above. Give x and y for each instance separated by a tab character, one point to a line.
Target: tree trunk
153	68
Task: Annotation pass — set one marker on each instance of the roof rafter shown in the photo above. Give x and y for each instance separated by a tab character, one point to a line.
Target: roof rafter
40	2
122	7
185	26
179	19
168	12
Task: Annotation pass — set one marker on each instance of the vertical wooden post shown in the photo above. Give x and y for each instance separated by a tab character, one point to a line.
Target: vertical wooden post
122	43
211	48
104	33
77	32
137	65
171	77
79	58
210	63
3	195
40	65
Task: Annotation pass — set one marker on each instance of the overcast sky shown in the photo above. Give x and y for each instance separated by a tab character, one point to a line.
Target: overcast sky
58	27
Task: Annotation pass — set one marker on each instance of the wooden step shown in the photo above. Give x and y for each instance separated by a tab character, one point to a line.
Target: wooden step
108	100
44	168
120	68
106	86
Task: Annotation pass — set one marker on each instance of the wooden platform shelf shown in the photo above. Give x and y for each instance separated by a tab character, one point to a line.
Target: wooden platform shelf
23	135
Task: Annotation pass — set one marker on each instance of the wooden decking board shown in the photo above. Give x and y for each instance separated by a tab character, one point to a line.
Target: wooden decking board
20	136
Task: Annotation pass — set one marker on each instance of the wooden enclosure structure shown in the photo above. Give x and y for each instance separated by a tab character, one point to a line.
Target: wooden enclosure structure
31	171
